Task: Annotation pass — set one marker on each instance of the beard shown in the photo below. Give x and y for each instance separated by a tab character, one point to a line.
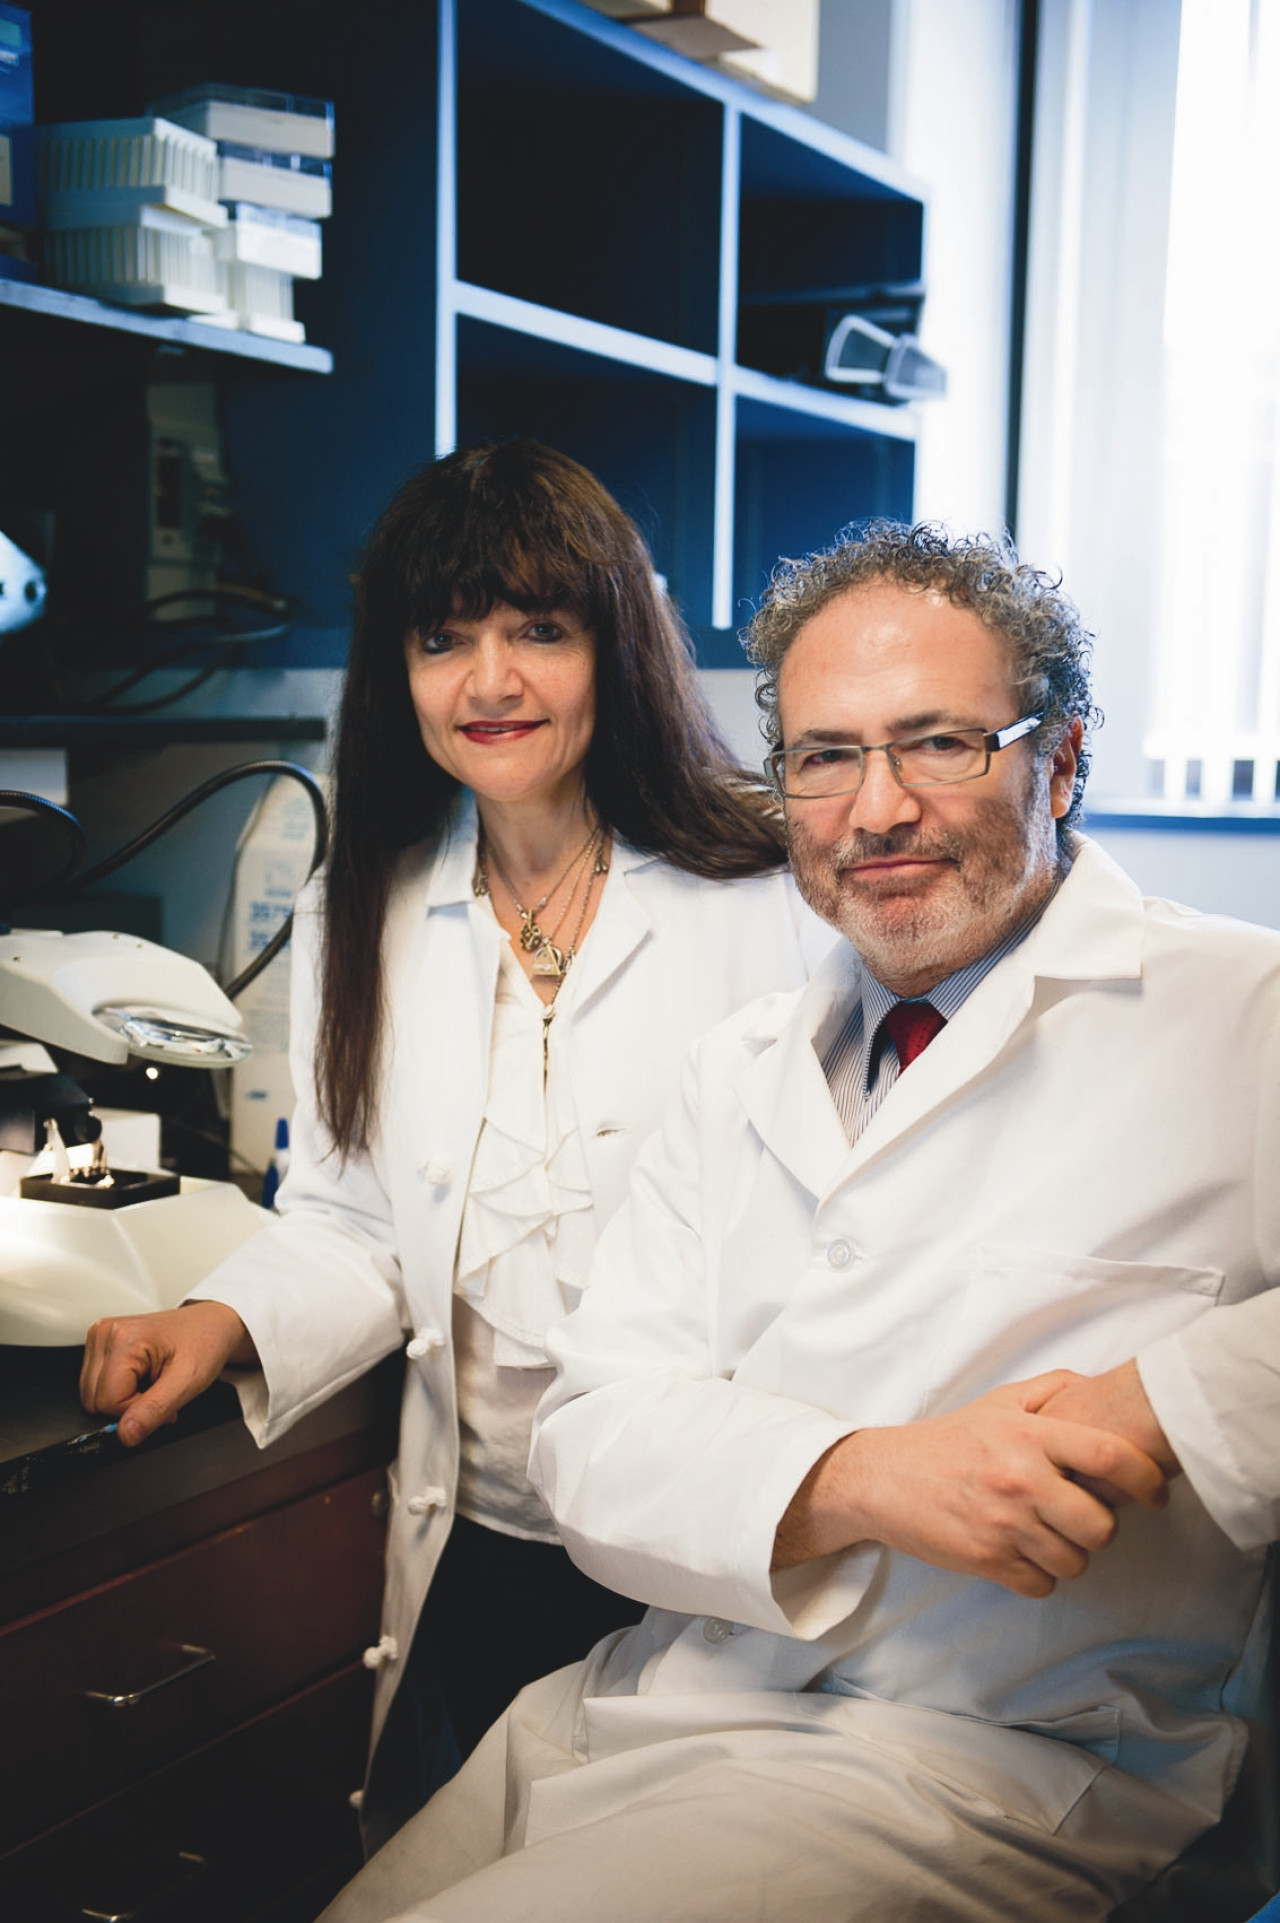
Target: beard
913	933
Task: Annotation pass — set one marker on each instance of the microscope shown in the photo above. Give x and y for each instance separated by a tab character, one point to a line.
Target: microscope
80	1238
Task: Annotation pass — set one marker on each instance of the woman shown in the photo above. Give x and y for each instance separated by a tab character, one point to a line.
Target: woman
547	877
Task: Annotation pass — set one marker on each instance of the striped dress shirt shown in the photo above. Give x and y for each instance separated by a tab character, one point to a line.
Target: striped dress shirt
859	1084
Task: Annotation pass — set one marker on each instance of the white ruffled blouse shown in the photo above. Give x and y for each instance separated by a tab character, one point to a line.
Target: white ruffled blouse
527	1237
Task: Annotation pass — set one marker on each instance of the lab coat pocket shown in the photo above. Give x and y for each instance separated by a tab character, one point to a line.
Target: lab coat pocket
1027	1310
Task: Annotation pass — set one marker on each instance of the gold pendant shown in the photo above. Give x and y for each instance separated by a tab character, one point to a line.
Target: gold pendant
549	961
531	936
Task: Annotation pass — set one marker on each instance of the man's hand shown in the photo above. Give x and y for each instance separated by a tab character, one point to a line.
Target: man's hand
1117	1402
143	1368
987	1490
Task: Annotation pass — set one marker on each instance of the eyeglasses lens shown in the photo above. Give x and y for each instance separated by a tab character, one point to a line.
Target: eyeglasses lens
923	761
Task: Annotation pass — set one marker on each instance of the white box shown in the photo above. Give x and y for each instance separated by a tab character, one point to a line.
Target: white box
248	175
161	260
786	31
149	152
280	123
271	866
265	237
121	206
261	299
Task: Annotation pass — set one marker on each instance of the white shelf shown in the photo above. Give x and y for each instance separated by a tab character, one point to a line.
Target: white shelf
584	336
53	303
820	404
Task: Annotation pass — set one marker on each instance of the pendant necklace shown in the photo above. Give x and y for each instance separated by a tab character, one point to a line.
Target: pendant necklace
549	961
598	867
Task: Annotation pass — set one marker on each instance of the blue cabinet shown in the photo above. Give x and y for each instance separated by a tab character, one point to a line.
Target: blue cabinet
606	213
544	224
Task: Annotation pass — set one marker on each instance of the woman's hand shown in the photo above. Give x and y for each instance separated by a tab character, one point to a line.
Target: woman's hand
143	1368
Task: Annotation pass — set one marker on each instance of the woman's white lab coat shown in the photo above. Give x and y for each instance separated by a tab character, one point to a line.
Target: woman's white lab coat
365	1251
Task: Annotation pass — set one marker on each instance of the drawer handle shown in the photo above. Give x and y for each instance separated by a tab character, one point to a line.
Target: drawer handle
155	1905
197	1658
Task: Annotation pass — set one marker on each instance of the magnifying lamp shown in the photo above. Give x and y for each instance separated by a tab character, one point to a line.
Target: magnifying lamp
109	996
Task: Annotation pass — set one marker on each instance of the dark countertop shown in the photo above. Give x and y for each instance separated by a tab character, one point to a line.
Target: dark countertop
70	1492
47	1438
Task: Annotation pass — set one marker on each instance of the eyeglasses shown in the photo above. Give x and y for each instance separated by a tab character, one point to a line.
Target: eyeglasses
918	760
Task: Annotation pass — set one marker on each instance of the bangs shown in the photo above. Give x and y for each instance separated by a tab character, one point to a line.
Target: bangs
515	525
503	573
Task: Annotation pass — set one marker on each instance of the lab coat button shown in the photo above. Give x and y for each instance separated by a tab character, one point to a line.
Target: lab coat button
438	1170
840	1255
716	1630
424	1343
432	1497
385	1650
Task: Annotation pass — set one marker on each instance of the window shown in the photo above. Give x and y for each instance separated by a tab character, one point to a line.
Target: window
1215	707
1151	417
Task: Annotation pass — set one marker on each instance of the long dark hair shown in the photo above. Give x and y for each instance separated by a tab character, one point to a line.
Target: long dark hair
517	523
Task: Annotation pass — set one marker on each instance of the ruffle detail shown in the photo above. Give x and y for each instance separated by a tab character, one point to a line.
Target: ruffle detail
528	1229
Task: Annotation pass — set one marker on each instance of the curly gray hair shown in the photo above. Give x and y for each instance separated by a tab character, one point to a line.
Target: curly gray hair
1049	645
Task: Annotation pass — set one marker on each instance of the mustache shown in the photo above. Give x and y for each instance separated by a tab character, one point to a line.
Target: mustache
906	839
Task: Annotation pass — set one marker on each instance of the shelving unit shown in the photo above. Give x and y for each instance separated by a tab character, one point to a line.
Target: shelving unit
544	223
618	204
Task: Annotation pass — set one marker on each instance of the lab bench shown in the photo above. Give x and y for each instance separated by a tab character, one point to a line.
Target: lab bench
185	1712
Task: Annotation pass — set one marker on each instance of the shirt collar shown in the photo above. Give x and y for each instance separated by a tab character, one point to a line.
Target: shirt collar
949	995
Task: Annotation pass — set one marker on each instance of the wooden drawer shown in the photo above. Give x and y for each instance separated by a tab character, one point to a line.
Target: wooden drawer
221	1837
113	1684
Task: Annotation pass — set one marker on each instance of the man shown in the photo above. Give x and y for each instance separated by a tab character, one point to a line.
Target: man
936	1268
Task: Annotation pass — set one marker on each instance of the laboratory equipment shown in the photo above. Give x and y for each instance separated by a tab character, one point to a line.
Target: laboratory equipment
78	1238
22	588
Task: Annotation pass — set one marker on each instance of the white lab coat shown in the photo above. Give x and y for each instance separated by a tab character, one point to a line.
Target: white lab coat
364	1253
1084	1165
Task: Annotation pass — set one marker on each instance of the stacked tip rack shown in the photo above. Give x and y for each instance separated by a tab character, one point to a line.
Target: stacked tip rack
168	213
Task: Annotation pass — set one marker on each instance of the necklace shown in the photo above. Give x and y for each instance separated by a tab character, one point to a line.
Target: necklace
598	867
549	961
480	885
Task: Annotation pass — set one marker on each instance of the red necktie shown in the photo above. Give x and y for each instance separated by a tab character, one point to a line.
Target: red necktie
911	1026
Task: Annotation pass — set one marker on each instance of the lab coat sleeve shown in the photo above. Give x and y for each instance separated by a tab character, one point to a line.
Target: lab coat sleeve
1215	1388
668	1478
319	1289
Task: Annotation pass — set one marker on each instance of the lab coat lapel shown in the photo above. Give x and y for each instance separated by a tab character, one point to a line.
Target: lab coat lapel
616	936
1091	931
963	1049
453	949
785	1092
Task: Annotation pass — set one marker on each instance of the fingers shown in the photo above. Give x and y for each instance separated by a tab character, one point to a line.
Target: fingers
1032	1394
117	1359
145	1368
152	1411
1105	1458
1025	1578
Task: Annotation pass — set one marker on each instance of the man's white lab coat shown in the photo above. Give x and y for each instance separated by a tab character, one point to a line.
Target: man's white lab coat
1084	1166
365	1250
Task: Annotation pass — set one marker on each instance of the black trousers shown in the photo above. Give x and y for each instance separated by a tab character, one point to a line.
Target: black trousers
500	1611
